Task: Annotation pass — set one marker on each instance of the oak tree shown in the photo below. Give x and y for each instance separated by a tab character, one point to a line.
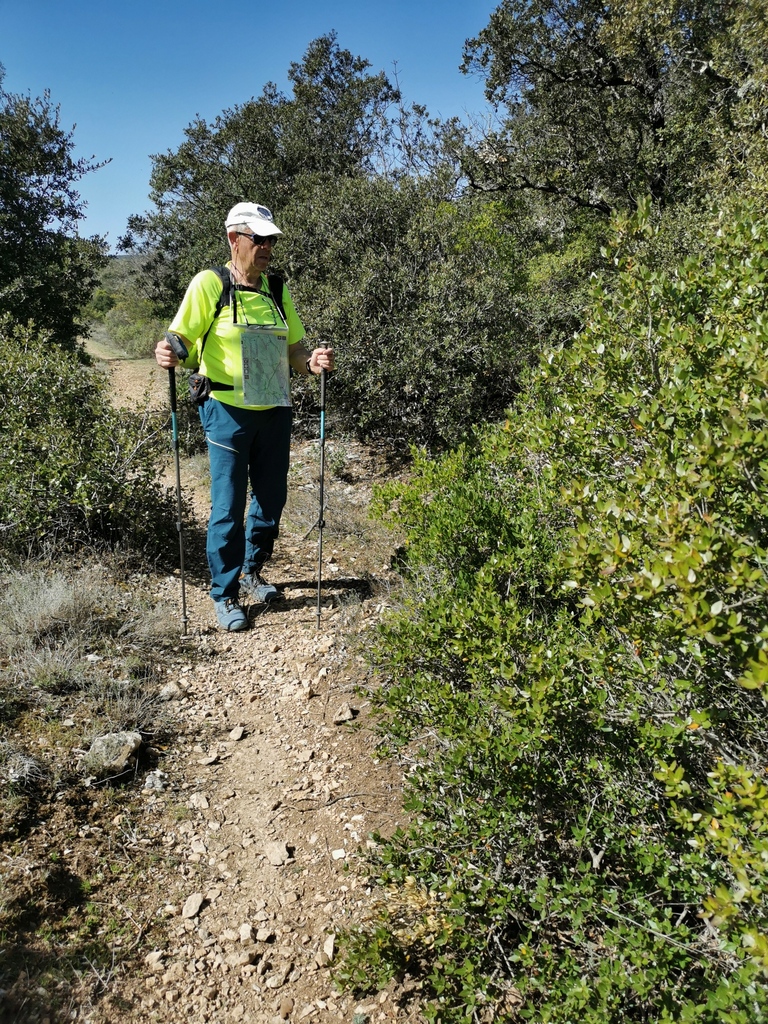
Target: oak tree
47	270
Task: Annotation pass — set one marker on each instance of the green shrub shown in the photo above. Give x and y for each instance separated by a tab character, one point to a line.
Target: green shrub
132	325
578	675
420	296
76	471
101	303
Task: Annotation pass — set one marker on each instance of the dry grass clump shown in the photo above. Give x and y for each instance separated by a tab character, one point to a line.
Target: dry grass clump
51	667
342	517
79	650
18	769
33	604
348	480
91	602
81	656
118	705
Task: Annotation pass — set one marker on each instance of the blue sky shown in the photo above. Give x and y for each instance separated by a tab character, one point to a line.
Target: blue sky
131	76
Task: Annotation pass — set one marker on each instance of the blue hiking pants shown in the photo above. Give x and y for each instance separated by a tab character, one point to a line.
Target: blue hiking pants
244	447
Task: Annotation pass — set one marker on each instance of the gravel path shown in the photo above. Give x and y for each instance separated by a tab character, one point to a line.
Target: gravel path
275	770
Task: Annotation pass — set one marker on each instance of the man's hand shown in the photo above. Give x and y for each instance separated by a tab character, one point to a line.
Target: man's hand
170	350
321	359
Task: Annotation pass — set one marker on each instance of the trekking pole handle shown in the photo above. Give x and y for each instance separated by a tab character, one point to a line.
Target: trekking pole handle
180	350
177	345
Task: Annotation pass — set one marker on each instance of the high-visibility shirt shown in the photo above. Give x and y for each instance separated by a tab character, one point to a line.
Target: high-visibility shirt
221	356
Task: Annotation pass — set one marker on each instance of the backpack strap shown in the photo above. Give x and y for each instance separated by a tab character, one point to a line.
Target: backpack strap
223	300
276	285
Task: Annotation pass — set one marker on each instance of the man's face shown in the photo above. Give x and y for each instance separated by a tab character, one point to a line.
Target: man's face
252	253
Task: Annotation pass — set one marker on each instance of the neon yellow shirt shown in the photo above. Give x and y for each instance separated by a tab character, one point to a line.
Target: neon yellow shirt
221	358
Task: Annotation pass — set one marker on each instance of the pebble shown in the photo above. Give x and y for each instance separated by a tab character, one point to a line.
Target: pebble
344	714
277	853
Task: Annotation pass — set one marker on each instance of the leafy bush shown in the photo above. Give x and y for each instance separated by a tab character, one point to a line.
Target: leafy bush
101	303
133	326
578	675
76	471
420	296
119	303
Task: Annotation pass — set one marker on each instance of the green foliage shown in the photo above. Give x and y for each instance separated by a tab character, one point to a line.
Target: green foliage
605	102
76	472
438	267
122	305
685	517
47	272
421	293
133	325
418	294
578	674
100	304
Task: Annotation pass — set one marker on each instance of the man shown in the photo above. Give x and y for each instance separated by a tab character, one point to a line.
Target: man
244	355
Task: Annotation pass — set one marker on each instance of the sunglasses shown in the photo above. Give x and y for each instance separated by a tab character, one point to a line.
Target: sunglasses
259	239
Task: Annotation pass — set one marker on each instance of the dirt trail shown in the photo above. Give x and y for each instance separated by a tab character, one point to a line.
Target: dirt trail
273	789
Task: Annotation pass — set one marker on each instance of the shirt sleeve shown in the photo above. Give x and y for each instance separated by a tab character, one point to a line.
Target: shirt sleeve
296	329
195	314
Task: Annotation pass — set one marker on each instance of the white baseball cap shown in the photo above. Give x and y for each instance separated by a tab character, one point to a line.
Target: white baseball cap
257	217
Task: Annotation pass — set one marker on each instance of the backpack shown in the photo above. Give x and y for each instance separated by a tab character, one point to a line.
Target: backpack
276	285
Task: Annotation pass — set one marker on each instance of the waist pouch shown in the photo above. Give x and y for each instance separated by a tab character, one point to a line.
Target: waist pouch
200	388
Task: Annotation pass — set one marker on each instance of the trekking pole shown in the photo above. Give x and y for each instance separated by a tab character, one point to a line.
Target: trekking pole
180	350
321	520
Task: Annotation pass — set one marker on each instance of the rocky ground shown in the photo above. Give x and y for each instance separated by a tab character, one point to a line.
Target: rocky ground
279	775
269	796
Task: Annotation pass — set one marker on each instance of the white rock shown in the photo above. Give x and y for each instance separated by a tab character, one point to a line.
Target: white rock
278	979
192	905
155	781
244	959
111	752
344	714
171	691
277	853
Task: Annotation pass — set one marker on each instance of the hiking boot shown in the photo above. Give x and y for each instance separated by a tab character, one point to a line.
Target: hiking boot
256	587
230	615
